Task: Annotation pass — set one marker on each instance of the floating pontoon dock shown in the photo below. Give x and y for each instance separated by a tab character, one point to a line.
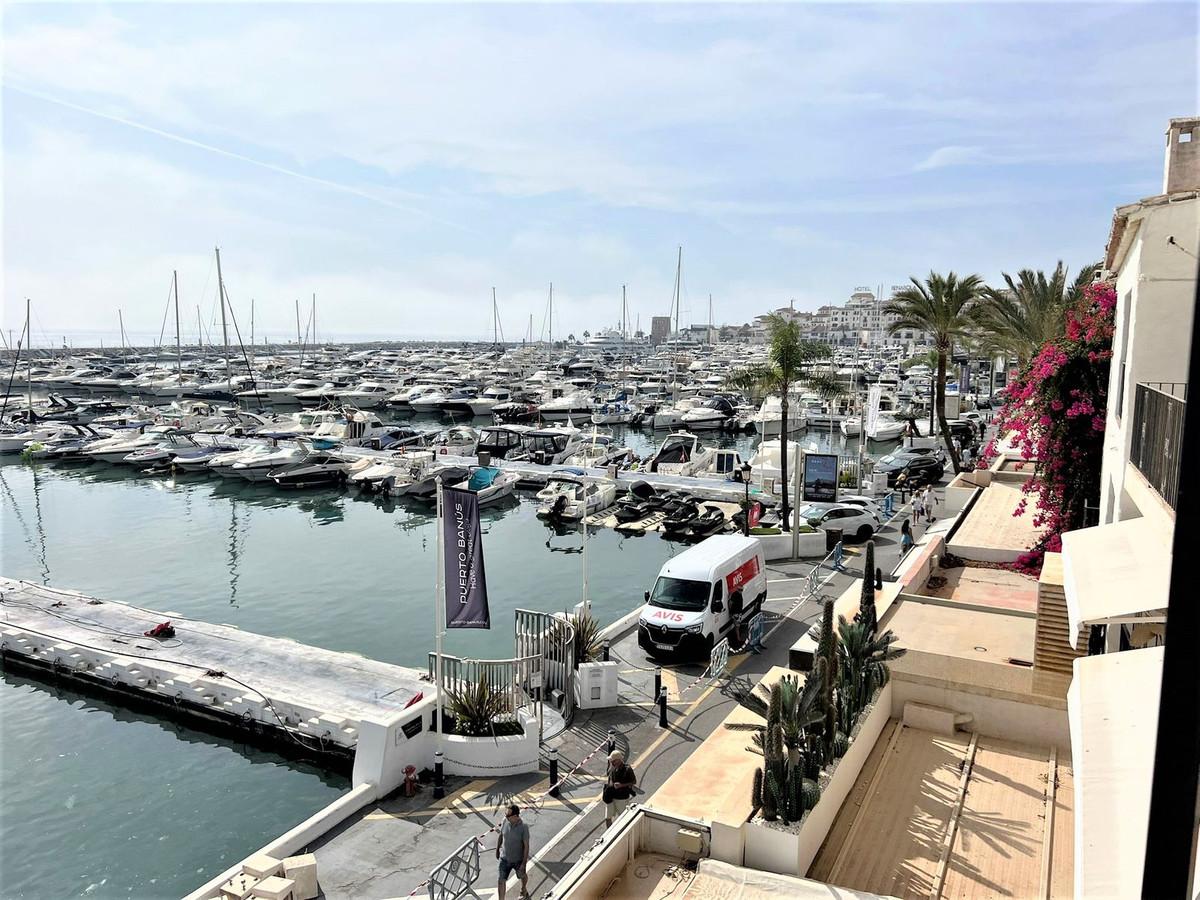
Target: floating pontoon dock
299	699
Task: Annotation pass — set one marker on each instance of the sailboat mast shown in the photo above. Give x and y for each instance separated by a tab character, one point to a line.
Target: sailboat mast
624	316
178	340
495	319
299	340
551	353
121	326
314	318
251	321
678	278
224	324
29	357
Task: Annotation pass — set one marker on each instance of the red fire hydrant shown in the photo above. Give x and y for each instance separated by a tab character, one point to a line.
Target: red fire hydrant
410	781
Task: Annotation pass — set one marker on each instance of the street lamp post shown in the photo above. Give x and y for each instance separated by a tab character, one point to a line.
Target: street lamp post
746	507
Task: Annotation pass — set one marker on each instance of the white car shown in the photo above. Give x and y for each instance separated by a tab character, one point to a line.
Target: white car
853	521
867	503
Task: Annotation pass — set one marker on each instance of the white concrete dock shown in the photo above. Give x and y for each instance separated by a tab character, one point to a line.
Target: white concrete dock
307	700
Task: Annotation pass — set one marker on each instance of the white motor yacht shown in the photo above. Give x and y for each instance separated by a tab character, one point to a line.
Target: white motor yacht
681	453
570	406
710	415
886	428
768	421
403	399
115	449
260	466
766	469
571	497
489	484
368	395
672	416
488	400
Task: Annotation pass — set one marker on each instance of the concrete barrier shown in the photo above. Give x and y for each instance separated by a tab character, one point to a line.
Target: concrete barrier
779	546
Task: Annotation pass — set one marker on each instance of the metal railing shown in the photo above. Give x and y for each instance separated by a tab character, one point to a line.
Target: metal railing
1158	413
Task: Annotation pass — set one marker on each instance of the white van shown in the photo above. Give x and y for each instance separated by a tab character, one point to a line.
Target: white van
701	594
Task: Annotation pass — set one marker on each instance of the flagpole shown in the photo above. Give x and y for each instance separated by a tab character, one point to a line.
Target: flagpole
439	620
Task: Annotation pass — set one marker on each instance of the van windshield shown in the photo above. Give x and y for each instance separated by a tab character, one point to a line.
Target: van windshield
679	593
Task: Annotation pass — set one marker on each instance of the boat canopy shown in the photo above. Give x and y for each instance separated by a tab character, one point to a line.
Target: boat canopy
482	478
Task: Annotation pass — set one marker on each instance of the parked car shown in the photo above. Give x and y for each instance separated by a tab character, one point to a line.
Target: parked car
854	521
867	503
919	470
967	433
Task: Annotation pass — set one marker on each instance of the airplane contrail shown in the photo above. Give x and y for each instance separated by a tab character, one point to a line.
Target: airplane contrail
220	151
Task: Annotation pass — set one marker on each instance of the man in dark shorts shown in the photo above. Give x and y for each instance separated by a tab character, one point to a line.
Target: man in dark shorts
512	849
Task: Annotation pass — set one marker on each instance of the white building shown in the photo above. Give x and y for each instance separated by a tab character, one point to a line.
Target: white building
1117	574
862	321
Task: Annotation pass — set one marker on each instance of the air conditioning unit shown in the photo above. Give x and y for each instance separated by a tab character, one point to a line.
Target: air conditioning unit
596	685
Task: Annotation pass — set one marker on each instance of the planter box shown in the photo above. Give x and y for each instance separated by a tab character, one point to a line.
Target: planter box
494	757
792	852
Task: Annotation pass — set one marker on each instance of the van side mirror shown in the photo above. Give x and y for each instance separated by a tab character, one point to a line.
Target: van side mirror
647	596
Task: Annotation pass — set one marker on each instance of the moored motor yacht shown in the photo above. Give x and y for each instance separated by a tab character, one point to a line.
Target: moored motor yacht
258	467
489	484
316	468
713	414
489	400
570	497
680	453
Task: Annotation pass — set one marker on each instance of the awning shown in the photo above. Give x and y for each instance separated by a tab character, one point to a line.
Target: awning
1112	708
1114	571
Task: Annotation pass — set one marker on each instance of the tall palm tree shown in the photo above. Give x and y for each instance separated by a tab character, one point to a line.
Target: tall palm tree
787	352
943	307
1020	319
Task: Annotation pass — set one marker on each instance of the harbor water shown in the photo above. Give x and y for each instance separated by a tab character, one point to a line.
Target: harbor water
102	802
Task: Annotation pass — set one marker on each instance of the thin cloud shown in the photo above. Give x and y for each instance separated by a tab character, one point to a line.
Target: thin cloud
229	154
954	155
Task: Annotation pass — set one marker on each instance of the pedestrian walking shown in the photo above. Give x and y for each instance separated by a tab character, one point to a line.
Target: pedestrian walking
618	786
902	486
906	537
512	850
918	505
930	504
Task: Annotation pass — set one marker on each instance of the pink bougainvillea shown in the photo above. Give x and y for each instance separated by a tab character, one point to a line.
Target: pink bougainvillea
1055	411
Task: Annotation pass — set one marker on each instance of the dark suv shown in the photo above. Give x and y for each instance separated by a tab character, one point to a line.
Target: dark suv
919	470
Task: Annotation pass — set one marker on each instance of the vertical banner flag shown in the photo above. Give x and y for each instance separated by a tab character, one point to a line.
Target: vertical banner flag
874	393
466	584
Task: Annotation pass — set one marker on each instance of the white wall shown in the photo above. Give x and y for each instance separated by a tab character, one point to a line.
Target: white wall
1159	280
1011	720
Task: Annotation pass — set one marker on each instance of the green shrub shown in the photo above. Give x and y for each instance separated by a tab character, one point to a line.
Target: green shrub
476	708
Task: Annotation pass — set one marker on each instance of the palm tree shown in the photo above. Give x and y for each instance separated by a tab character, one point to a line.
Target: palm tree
864	656
1031	312
793	706
788	352
943	307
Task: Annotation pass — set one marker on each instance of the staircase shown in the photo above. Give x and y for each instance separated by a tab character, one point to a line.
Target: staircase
1052	648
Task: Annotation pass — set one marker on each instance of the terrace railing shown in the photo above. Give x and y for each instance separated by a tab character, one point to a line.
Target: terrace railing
1156	451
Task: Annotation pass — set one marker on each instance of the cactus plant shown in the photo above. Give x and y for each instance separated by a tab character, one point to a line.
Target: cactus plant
841	744
756	791
810	794
866	606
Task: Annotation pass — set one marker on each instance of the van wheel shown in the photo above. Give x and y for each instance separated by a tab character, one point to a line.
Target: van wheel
864	533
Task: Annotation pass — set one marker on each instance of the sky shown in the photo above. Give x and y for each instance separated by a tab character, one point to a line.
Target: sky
399	161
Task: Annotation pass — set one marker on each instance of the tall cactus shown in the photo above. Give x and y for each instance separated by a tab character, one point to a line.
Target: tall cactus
828	671
866	606
756	791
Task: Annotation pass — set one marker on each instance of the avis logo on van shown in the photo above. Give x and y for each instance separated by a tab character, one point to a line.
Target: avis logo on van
669	616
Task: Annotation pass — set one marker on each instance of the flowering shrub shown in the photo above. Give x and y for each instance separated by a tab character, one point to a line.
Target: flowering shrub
1056	408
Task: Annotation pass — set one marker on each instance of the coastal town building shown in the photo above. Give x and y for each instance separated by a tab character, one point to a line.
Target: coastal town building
860	321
